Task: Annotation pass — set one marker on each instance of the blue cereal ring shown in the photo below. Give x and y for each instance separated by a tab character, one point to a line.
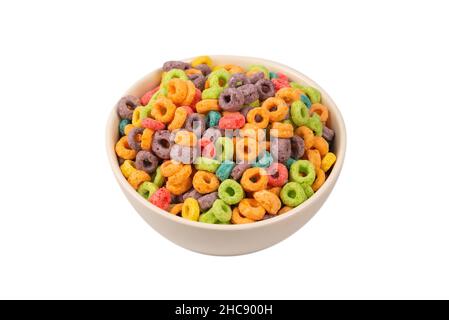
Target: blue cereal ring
289	162
264	161
224	170
212	118
305	99
273	75
122	125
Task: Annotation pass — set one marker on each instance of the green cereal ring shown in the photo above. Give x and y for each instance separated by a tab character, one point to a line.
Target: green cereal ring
315	124
230	191
255	103
206	164
313	94
221	211
296	85
224	148
308	191
211	93
157	178
172	74
303	172
147	189
299	113
259	68
208	217
292	194
219	78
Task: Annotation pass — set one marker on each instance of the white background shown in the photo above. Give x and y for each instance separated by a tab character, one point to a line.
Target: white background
66	231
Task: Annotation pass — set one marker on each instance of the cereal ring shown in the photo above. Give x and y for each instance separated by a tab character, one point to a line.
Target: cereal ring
264	160
177	90
328	134
314	157
256	68
172	74
305	99
281	130
280	149
289	95
146	189
207	200
163	110
280	83
259	117
231	68
170	167
137	177
320	144
161	144
177	187
320	178
169	65
198	80
213	118
231	192
179	119
126	106
176	209
284	209
313	94
204	68
136	117
299	113
208	217
161	198
158	178
277	175
185	138
254	179
315	124
121	127
292	194
206	164
202	60
303	172
224	170
307	135
238	170
127	167
183	154
148	95
212	134
246	149
297	145
231	99
182	174
268	200
273	75
308	191
244	111
204	106
238	219
250	93
224	148
237	80
191	94
232	121
152	124
320	110
254	77
146	161
276	107
221	210
265	88
193	71
219	78
251	209
123	150
328	161
192	193
128	129
134	138
190	209
196	122
205	182
211	93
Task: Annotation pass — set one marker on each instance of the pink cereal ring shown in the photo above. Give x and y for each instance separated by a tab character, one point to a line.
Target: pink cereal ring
277	174
161	198
147	96
232	121
152	124
188	109
280	83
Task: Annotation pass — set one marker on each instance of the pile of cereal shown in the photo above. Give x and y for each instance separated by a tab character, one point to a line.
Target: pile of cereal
223	144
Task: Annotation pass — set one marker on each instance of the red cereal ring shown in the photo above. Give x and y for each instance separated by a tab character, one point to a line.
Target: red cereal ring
277	174
280	83
161	198
232	121
147	96
152	124
282	76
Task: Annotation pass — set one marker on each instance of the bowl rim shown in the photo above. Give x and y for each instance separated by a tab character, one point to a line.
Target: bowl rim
325	189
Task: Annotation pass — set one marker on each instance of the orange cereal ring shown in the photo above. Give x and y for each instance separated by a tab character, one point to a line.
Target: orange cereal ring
321	145
206	105
246	149
251	209
259	117
319	180
314	157
128	128
178	120
176	208
146	139
284	210
177	90
281	130
163	110
254	179
191	91
177	187
307	135
192	71
320	110
238	219
137	177
185	138
170	167
123	150
268	200
275	190
288	95
182	174
276	107
205	182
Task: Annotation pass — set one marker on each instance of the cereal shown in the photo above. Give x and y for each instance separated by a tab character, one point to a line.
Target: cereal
204	106
221	210
208	217
238	170
264	160
276	107
146	161
284	209
183	154
123	150
232	121
231	192
328	161
268	200
313	94
161	144
281	130
305	99
176	208
319	180
224	170
277	175
178	187
292	194
163	110
202	60
206	164
314	123
179	119
122	125
314	157
320	110
213	118
204	68
265	89
206	201
198	80
280	149
152	124
250	93
185	138
192	193
127	167
157	178
328	134
251	209
237	218
169	65
147	189
137	177
303	172
126	106
259	117
231	99
190	209
161	198
254	179
134	138
297	146
237	80
299	113
205	182
196	122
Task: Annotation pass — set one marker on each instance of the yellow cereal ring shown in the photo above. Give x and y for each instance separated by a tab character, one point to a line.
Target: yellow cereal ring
128	128
320	110
328	161
254	179
237	217
314	157
259	117
190	209
185	138
319	180
206	105
127	167
136	122
205	182
202	60
163	110
191	92
123	150
170	167
176	208
146	139
289	95
268	200
320	144
177	187
179	119
284	210
246	149
276	107
251	209
281	130
137	177
176	90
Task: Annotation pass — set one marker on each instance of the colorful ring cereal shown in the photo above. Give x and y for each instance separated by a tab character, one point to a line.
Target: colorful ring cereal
206	201
127	167
163	110
221	211
179	119
320	110
126	106
319	180
292	194
190	209
202	60
251	209
276	107
161	198
299	113
123	150
254	179
205	182
268	200
231	192
237	218
302	172
137	177
328	161
204	106
277	175
146	189
281	130
259	117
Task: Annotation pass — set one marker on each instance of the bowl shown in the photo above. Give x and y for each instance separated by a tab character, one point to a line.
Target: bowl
240	239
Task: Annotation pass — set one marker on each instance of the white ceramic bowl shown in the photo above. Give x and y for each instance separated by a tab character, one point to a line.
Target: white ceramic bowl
229	239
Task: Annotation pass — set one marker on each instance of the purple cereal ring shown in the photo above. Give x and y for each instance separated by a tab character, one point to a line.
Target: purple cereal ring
132	141
183	154
198	80
175	65
204	68
231	99
297	147
249	92
265	88
146	161
212	134
237	80
328	134
161	144
207	200
238	170
256	77
280	149
192	193
126	105
197	123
